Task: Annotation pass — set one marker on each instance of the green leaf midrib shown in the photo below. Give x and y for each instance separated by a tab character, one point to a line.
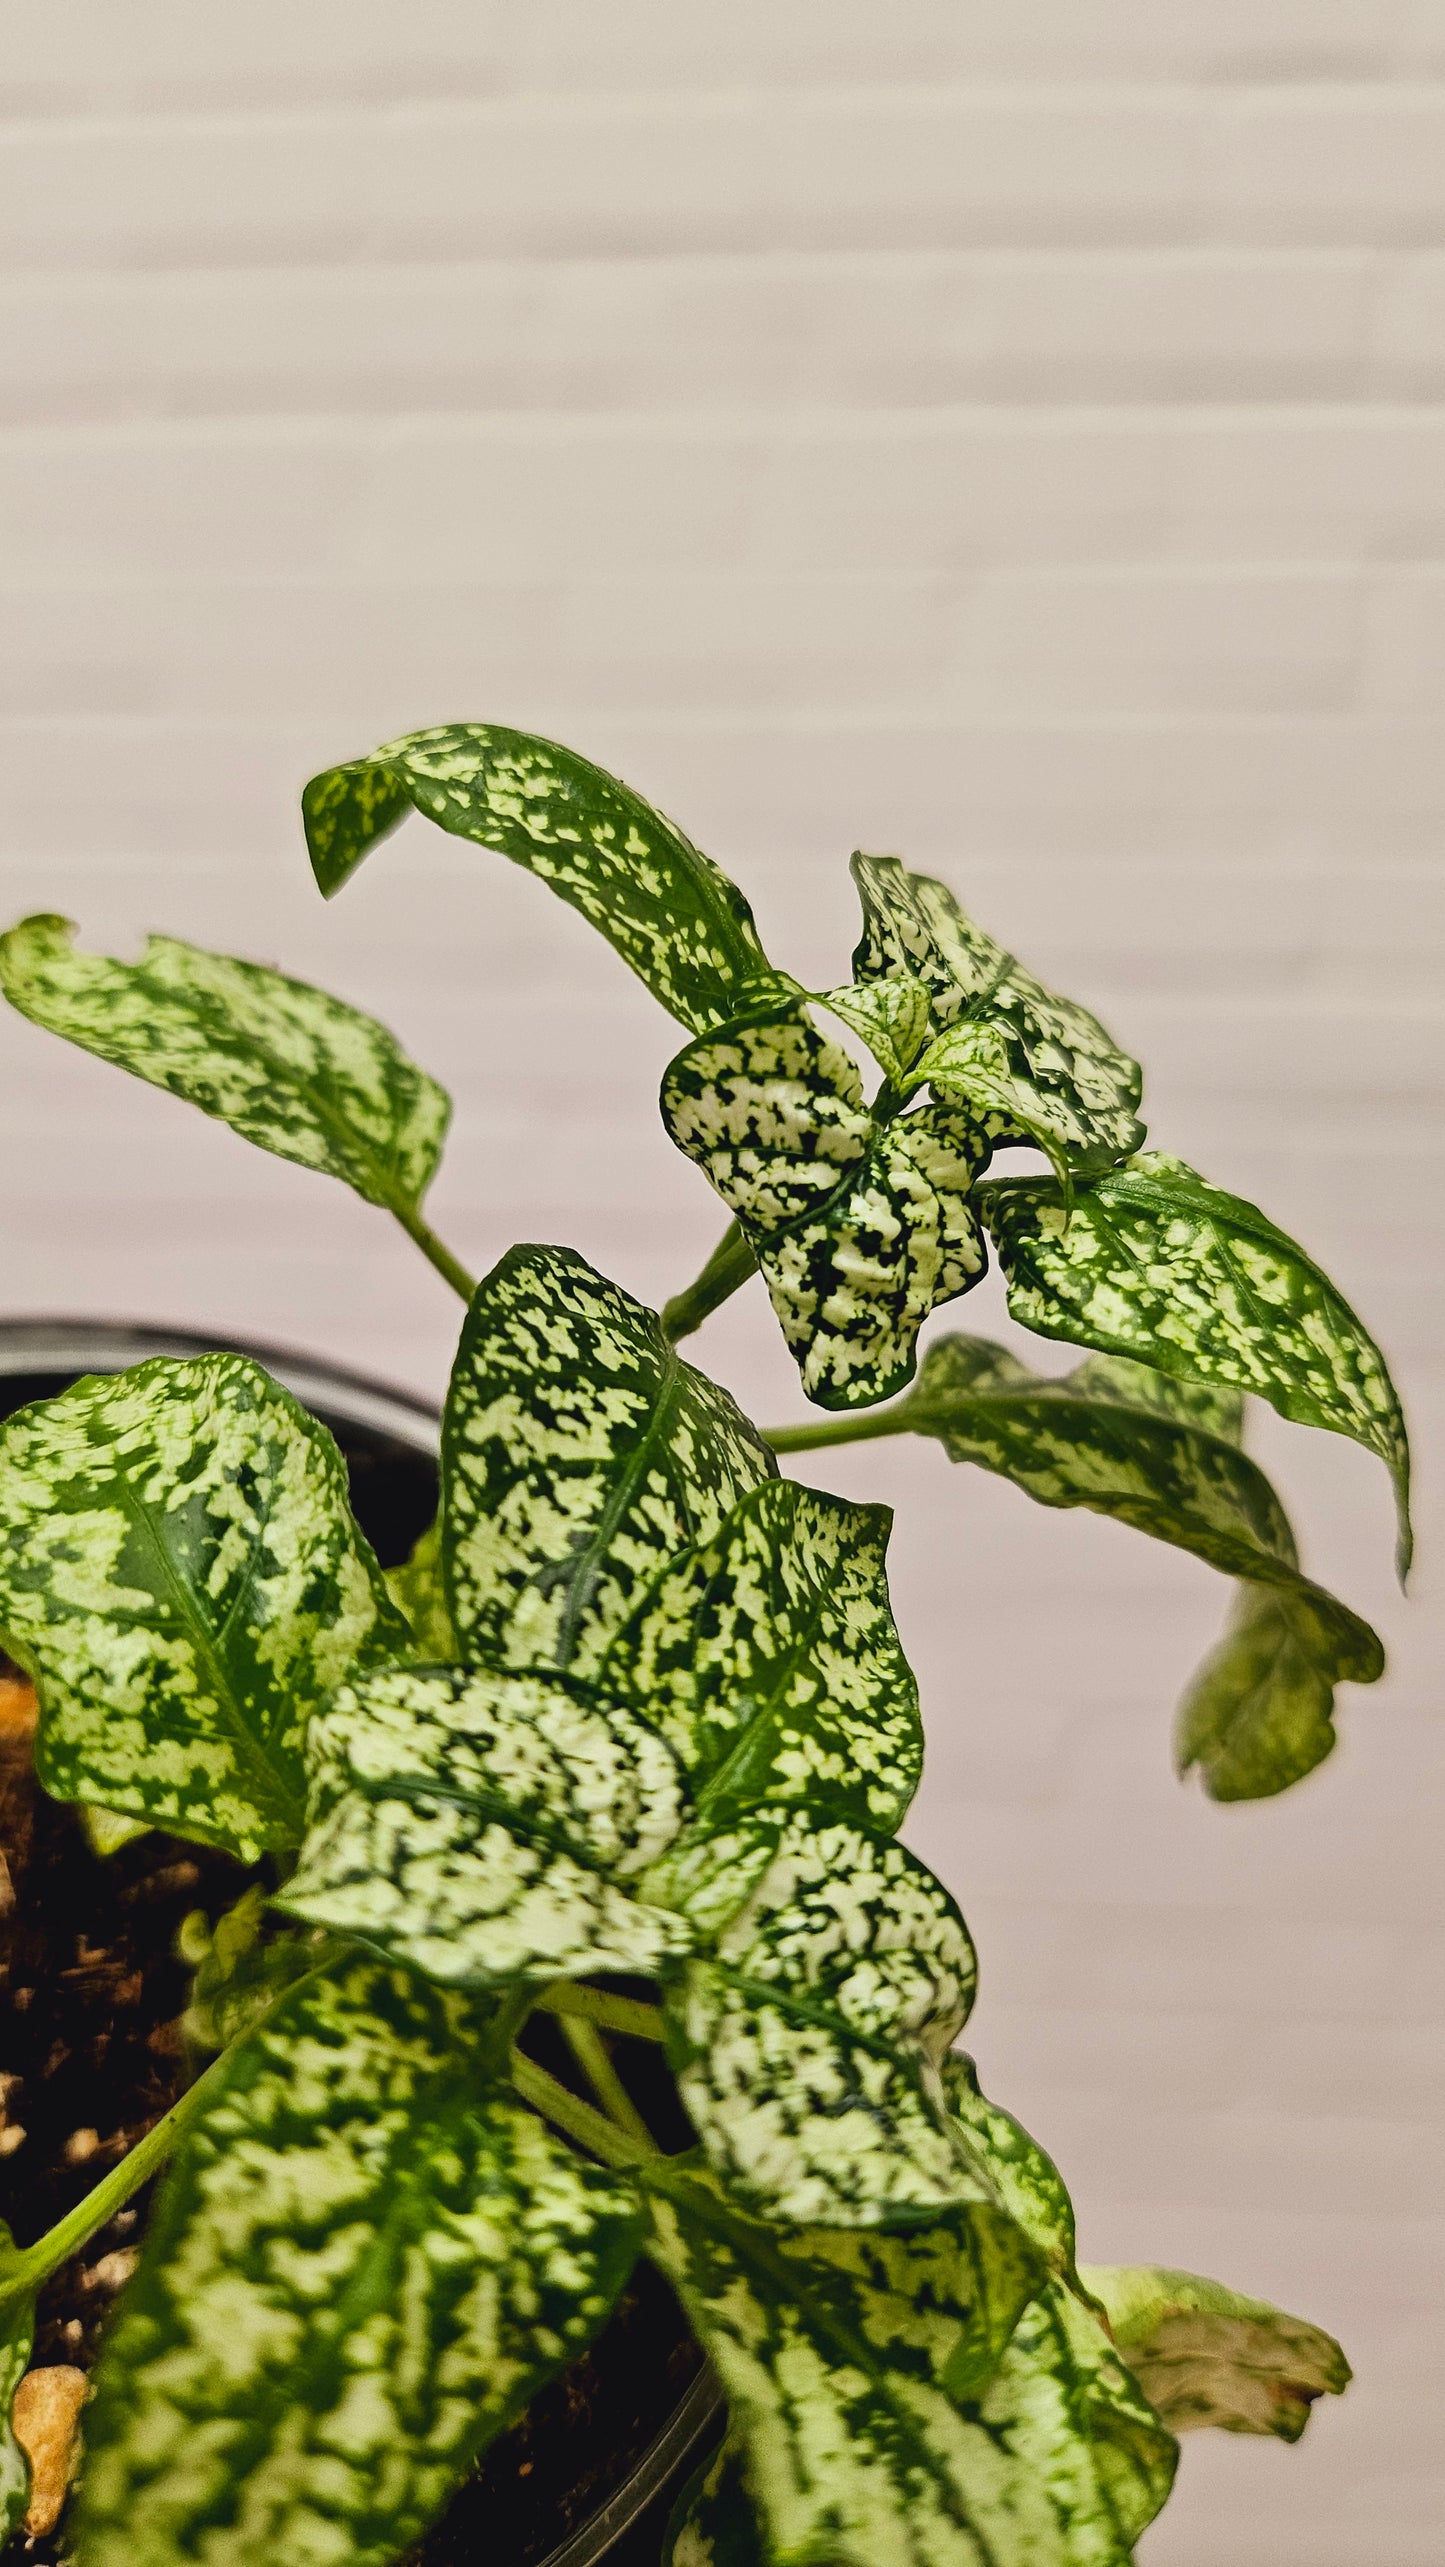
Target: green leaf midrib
417	1789
583	1567
904	2053
252	1753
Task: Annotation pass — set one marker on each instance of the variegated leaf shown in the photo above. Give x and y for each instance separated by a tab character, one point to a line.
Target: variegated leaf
1028	2182
17	2336
769	1659
668	911
479	1827
875	2426
361	2267
1078	2433
1258	1715
579	1453
1086	1088
861	1224
1155	1263
1205	2355
1121	1439
807	2045
712	2522
283	1064
181	1572
971	1065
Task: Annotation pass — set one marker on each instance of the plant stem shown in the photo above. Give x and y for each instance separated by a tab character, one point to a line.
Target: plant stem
435	1250
618	2014
731	1263
594	2059
38	2262
592	2130
839	1430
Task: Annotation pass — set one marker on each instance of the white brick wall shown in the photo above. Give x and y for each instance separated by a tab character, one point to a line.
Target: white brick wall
1011	435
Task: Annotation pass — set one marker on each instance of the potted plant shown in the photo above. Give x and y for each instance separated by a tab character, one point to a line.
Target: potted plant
571	1933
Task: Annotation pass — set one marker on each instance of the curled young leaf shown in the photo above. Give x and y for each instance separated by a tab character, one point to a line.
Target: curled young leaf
418	1590
665	908
769	1659
241	1967
1046	1064
286	1066
891	1015
807	2046
879	2408
309	2358
1154	1263
861	1223
579	1454
478	1827
182	1574
1205	2355
1125	1441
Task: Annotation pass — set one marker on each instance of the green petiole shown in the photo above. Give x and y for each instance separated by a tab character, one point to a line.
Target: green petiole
729	1266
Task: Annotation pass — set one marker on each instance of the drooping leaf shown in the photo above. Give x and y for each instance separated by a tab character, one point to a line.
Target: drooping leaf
769	1659
481	1827
892	1016
807	2044
17	2336
861	1224
668	911
1028	2182
286	1066
1205	2355
1155	1263
877	2423
1126	1442
1258	1715
362	2265
1066	1076
418	1590
181	1572
579	1453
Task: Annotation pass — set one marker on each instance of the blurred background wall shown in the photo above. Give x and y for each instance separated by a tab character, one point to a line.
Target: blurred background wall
1006	434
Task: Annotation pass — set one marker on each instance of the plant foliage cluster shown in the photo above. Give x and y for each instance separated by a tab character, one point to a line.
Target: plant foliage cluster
626	1747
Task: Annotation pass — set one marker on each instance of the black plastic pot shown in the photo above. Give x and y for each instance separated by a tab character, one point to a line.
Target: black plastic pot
669	2409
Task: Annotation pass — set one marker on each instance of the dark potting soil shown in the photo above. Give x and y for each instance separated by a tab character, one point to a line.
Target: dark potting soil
91	2055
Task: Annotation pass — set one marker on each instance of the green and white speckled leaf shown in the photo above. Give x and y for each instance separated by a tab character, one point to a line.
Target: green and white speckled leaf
361	2267
1155	1263
1086	1088
1121	1439
861	1224
1258	1715
579	1454
668	910
870	2427
770	1661
807	2045
892	1016
283	1064
418	1590
1204	2355
17	2335
971	1065
181	1573
712	2523
479	1827
1028	2182
241	1966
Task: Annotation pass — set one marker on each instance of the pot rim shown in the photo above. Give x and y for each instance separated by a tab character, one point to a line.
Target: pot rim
40	1345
